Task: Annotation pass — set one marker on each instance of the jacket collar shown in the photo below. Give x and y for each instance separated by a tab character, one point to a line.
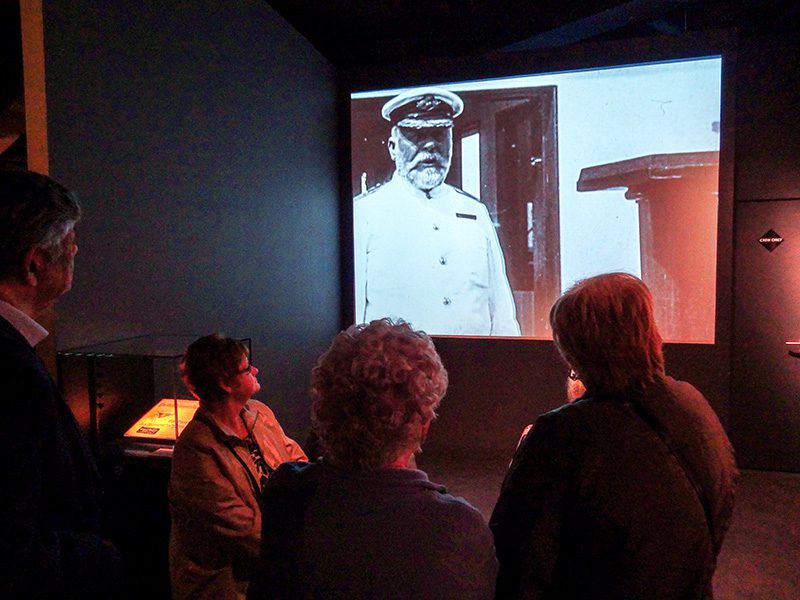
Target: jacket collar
223	432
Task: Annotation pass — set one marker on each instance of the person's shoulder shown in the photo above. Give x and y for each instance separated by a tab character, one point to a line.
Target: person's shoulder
260	408
688	410
455	515
21	370
377	205
674	399
680	388
571	410
13	346
459	506
443	501
469	205
16	357
195	437
570	421
466	196
374	193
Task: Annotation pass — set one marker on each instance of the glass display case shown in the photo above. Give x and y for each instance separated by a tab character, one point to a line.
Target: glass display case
126	393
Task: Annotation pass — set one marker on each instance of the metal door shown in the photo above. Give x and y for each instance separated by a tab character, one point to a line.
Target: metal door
765	398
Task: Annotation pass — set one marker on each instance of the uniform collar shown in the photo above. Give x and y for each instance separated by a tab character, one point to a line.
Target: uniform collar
418	193
32	331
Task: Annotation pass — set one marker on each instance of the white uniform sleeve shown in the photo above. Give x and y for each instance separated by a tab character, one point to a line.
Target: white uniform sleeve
360	236
501	300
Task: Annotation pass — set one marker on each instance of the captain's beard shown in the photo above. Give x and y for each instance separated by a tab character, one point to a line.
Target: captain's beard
426	177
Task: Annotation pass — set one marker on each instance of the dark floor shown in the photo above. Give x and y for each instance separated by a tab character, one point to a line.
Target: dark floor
760	559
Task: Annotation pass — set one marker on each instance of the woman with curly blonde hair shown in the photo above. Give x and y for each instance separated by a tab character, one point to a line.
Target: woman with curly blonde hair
363	522
375	394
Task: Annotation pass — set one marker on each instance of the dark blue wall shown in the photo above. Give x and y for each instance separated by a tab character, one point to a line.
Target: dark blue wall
200	137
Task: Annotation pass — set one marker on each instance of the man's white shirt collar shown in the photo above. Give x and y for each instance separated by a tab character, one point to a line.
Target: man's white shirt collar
30	329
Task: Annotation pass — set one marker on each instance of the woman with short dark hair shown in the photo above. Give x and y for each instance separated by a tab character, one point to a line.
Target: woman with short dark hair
221	462
627	492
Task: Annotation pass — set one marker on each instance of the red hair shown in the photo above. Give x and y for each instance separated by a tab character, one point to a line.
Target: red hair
604	328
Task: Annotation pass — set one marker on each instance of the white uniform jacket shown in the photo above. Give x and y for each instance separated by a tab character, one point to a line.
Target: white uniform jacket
433	261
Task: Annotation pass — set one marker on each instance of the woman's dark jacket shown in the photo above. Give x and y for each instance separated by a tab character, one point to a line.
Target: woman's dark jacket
617	497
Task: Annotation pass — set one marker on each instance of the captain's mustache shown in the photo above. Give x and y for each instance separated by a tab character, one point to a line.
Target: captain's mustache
430	158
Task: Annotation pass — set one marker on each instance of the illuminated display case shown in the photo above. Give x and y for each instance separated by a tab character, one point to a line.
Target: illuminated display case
125	393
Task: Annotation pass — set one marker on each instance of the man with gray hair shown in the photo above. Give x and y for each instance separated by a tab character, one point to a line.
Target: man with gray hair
50	506
425	251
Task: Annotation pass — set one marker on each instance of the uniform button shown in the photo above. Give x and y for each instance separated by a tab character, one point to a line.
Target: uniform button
446	301
442	260
435	227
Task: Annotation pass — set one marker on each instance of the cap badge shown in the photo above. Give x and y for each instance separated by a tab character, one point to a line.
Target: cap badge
428	103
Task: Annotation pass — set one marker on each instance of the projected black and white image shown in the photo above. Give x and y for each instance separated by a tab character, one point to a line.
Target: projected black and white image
428	251
477	203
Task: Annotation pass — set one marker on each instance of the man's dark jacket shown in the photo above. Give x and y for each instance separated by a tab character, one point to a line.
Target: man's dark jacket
50	544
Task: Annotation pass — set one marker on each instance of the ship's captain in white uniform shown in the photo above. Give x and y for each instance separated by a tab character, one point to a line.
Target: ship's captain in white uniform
425	251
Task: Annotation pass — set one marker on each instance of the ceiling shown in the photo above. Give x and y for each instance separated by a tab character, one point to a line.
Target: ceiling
352	33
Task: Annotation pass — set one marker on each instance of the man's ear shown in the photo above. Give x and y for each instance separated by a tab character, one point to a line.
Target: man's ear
33	265
391	146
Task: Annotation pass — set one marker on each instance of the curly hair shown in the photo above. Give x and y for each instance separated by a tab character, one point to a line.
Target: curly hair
209	360
371	388
604	328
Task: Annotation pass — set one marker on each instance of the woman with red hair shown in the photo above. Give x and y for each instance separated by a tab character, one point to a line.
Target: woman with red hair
627	492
